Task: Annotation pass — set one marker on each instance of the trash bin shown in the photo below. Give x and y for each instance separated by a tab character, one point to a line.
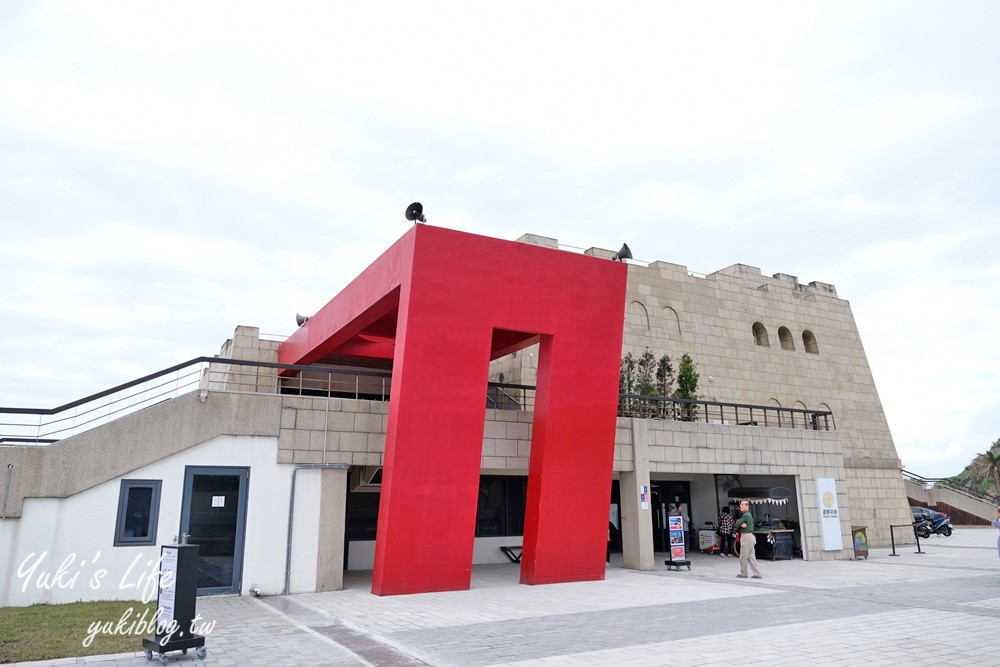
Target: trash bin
860	539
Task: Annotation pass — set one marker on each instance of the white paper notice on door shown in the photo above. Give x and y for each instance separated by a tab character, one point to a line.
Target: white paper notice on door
218	501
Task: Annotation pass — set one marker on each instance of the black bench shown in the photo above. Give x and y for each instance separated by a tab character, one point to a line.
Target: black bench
512	552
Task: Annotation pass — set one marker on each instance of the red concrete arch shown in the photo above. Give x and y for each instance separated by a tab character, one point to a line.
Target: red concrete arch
443	304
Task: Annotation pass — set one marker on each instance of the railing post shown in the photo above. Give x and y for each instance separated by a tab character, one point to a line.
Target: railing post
892	538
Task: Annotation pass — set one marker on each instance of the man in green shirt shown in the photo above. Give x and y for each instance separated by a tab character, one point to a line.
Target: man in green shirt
744	526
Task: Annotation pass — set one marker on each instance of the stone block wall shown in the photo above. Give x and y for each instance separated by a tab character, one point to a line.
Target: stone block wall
671	311
245	345
336	430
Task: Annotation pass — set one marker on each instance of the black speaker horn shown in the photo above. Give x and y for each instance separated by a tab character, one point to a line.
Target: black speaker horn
415	212
624	253
301	319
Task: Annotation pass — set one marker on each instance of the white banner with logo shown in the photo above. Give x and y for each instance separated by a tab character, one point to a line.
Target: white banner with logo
829	514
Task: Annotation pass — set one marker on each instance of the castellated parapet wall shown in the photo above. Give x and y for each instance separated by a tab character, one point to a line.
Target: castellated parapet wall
713	319
764	340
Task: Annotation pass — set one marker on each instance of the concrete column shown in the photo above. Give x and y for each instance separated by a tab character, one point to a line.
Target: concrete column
332	517
637	526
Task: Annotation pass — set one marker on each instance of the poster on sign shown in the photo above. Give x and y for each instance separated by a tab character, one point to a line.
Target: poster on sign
675	523
829	514
167	591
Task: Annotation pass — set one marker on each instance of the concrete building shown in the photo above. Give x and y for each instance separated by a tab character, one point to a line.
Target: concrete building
275	470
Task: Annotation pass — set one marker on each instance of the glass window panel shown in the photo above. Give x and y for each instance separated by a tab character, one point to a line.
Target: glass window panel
501	506
491	513
362	515
138	512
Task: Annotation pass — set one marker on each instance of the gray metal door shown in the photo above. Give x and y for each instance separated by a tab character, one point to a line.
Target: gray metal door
213	515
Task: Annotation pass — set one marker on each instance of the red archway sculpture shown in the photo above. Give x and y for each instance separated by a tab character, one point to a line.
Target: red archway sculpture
440	305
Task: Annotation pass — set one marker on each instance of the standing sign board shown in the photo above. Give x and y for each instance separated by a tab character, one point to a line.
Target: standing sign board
829	514
175	604
678	551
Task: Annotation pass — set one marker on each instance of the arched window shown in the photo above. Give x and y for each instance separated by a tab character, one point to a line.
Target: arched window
760	334
825	422
800	417
809	342
637	315
785	336
779	418
672	323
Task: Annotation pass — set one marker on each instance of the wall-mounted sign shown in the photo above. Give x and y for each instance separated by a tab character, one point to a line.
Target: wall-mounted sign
644	497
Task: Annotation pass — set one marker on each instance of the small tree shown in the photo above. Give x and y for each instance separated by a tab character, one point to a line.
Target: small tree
644	383
665	383
664	376
985	469
645	376
645	370
626	384
687	387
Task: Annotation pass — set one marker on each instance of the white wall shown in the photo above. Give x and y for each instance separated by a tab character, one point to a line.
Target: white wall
703	504
361	555
305	533
71	539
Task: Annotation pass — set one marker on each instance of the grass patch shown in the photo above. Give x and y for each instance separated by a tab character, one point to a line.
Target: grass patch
46	631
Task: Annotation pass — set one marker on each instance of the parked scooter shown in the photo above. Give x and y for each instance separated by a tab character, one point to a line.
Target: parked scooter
941	525
922	528
938	524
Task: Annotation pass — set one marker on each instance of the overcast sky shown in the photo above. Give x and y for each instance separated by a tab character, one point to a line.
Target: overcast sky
169	171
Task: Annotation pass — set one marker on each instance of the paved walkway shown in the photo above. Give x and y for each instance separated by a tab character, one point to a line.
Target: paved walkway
937	608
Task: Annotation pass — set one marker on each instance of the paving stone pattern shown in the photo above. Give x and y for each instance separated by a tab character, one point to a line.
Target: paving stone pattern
941	607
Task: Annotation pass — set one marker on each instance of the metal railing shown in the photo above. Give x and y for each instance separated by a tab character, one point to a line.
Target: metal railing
718	412
501	396
916	536
951	485
43	426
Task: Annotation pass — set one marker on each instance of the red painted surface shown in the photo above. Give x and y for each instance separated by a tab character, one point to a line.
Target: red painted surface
453	301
